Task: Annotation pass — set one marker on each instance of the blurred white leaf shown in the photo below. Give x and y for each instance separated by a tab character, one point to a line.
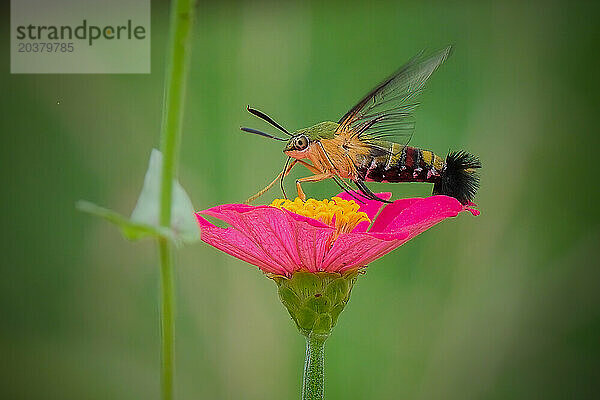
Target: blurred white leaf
147	209
144	220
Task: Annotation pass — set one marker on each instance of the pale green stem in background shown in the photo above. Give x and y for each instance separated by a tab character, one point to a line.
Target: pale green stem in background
177	62
313	384
167	325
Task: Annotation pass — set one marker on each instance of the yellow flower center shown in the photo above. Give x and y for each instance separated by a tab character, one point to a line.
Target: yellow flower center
345	212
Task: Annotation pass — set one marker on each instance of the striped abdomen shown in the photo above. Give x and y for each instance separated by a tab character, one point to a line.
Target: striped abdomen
400	164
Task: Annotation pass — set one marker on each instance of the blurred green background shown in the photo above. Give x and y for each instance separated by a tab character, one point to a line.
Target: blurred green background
503	306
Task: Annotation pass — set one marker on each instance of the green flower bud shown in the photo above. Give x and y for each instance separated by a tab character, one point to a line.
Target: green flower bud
315	300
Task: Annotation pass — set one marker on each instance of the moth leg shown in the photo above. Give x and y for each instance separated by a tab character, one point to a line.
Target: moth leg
270	185
312	168
313	178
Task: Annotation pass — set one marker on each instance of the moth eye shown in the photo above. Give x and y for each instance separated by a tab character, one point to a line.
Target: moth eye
301	143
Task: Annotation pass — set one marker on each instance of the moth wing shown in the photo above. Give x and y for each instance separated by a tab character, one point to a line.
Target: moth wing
386	112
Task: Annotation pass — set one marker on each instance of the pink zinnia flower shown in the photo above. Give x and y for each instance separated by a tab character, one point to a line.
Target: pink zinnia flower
314	251
335	235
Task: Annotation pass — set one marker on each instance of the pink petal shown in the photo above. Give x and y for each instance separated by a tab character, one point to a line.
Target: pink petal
470	207
311	243
223	210
268	230
284	240
236	244
369	207
353	250
415	216
390	212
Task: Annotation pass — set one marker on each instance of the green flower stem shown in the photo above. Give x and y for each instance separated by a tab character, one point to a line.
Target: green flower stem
315	301
167	326
179	54
178	59
313	384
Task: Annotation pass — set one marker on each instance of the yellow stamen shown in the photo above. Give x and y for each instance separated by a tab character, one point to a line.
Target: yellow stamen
345	212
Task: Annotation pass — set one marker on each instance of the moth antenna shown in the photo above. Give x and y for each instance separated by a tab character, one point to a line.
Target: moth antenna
250	130
268	119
